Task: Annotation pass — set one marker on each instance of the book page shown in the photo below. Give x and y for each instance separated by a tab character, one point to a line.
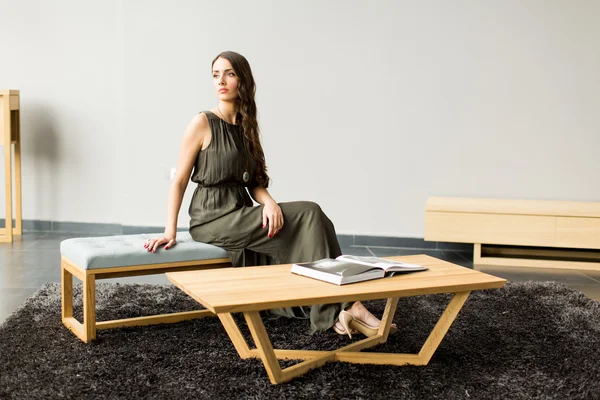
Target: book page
379	262
336	267
365	260
369	260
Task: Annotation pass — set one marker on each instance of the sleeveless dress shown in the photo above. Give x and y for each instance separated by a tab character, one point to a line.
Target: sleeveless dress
222	213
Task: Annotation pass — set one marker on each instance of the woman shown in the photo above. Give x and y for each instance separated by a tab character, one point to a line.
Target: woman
222	153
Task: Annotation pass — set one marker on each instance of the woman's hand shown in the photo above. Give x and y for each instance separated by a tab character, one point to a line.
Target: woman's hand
273	216
153	244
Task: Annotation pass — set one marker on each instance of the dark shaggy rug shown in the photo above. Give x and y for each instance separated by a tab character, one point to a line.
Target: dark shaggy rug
528	340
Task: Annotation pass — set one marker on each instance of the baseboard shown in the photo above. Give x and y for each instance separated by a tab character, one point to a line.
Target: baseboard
93	228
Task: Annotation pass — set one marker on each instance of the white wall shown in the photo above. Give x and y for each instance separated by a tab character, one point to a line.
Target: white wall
394	100
66	59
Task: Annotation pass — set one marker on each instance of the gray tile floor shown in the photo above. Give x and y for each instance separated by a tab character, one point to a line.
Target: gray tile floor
34	259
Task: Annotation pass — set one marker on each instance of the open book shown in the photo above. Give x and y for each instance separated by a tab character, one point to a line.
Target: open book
349	269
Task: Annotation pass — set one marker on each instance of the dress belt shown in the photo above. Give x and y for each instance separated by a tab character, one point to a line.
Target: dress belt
220	184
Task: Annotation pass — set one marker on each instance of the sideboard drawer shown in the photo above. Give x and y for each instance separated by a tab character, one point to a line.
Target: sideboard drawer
583	233
521	230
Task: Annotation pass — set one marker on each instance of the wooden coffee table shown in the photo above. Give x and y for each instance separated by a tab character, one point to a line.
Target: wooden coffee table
253	289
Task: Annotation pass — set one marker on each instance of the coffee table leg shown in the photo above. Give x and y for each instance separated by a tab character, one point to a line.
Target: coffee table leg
350	353
426	352
267	354
235	335
264	346
440	329
386	319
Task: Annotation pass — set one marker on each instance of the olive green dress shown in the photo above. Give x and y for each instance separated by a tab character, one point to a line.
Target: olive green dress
223	214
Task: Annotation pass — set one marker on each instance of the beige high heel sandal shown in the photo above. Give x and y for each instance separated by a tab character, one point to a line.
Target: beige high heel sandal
341	330
349	322
345	319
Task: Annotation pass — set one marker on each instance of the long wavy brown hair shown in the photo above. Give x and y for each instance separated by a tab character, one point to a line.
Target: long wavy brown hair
246	112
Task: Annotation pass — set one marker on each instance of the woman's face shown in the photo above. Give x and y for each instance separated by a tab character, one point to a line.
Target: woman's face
225	80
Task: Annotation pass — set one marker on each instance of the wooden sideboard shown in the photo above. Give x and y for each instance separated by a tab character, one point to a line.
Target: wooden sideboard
532	233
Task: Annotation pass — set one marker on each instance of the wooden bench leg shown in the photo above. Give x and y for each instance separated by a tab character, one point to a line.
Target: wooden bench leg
67	293
86	331
89	307
68	320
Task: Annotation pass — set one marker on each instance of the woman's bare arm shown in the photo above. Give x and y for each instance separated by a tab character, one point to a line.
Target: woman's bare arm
271	215
195	136
261	195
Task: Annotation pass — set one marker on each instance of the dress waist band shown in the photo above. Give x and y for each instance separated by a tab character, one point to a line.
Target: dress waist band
219	184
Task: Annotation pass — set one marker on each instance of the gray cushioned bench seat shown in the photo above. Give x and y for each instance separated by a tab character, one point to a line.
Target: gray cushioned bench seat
89	259
127	250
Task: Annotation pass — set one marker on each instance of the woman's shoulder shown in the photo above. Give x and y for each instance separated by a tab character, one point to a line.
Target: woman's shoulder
201	120
208	114
199	124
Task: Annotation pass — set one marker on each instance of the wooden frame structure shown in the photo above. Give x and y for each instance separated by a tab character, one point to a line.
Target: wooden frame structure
10	133
86	330
350	353
253	289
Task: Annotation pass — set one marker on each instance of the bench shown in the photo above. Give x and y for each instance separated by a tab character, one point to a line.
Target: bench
106	257
509	232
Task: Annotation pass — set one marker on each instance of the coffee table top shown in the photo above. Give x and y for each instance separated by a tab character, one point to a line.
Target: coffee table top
228	290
